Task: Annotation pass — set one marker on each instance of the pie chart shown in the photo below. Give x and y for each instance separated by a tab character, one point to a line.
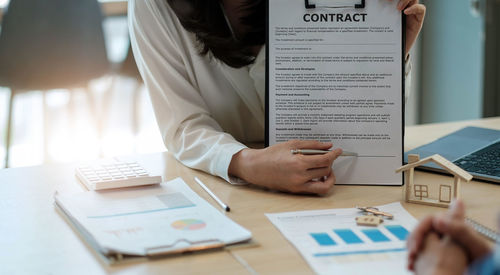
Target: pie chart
189	224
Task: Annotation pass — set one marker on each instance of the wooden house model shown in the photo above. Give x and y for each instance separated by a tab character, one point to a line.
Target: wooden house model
430	193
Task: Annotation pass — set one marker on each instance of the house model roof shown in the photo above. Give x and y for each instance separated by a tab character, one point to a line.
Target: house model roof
439	160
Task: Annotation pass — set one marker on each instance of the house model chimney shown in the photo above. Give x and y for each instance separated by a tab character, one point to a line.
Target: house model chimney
413	158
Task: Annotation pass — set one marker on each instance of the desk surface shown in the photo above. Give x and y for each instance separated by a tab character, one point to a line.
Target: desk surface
36	239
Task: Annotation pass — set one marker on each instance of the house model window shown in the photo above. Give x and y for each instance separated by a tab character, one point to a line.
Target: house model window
432	194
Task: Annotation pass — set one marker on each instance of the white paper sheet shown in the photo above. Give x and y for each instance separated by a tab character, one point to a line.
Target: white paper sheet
131	221
332	243
336	75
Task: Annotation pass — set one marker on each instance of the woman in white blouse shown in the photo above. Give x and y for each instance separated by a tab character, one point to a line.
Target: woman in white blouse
203	62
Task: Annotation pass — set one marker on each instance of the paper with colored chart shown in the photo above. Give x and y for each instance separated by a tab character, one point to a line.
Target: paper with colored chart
140	221
332	242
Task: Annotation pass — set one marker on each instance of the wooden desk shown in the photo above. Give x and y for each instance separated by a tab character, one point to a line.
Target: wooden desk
35	239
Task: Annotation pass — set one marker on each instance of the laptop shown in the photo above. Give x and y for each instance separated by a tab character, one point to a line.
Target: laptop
476	150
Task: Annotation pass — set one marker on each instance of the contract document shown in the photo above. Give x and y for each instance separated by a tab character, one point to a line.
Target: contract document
335	74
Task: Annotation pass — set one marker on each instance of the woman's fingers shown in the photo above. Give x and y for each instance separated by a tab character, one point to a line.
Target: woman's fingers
319	187
318	173
457	210
310	144
461	233
414	22
418	10
320	166
402	4
416	239
430	239
321	161
277	168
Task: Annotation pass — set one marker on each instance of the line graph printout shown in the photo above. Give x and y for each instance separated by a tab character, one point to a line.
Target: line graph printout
336	75
332	243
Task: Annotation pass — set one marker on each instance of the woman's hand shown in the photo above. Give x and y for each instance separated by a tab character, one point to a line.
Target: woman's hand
415	14
277	168
441	256
451	225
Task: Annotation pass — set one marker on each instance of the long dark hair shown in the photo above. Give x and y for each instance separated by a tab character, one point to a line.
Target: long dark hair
206	19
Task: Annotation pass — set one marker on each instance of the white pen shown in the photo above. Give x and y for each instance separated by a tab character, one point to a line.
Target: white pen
223	205
321	152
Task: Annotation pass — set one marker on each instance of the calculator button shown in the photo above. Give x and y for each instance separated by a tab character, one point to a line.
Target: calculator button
122	173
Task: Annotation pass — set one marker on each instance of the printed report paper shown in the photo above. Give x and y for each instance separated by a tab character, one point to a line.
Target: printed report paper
145	220
336	75
332	243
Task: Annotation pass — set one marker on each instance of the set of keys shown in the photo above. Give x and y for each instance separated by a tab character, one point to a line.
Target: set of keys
372	216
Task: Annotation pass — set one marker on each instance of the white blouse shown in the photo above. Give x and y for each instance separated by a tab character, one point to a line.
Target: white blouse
205	109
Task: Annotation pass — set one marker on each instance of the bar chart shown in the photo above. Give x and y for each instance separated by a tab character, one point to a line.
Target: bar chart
362	241
349	236
330	240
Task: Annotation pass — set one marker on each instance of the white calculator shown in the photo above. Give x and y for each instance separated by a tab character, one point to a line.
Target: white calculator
115	175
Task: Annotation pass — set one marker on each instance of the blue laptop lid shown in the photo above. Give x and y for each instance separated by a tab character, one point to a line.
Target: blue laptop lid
457	144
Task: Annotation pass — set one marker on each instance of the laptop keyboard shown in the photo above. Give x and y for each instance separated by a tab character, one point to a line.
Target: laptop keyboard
485	161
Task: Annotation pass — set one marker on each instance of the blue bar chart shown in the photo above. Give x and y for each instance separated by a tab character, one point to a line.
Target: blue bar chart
398	231
375	235
323	239
348	236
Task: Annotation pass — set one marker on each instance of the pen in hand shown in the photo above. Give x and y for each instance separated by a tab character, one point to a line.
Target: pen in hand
321	152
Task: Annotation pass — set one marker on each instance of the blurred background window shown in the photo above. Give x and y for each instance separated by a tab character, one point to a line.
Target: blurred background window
64	109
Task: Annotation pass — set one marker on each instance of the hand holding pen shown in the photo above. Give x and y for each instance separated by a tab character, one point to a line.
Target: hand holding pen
275	167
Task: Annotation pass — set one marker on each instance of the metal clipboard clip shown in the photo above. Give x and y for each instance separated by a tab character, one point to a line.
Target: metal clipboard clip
192	246
359	5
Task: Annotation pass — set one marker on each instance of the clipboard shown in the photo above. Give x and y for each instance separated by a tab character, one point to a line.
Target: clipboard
180	243
116	258
360	5
310	5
